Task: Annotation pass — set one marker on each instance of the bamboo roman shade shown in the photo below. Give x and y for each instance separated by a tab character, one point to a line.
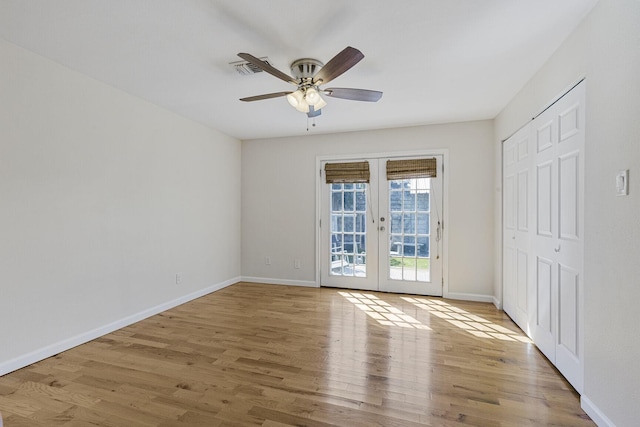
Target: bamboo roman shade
352	172
411	168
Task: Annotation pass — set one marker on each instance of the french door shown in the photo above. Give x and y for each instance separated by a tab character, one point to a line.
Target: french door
384	235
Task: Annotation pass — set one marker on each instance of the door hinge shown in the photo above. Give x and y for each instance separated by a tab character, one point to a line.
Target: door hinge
320	225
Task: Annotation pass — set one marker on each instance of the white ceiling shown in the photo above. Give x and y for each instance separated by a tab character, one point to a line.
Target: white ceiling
435	60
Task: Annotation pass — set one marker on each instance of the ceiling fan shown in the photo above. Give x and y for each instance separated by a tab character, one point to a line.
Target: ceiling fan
308	75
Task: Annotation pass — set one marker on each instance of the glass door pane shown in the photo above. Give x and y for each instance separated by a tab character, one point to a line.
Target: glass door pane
410	244
349	234
409	229
348	230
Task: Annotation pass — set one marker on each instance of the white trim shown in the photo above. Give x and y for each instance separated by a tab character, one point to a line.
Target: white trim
548	105
497	302
53	349
470	297
561	95
596	414
445	221
269	281
444	152
388	154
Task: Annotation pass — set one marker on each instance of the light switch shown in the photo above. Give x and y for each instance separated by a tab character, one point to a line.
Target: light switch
622	183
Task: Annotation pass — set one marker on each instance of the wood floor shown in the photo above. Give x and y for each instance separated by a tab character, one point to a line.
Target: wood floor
266	355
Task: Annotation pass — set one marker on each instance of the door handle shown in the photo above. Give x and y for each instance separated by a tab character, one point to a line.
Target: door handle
557	249
382	228
381	219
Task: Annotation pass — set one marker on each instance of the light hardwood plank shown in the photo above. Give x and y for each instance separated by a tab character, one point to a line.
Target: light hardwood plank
267	355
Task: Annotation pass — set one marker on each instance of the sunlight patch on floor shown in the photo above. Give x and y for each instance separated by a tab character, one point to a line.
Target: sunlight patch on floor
383	312
475	325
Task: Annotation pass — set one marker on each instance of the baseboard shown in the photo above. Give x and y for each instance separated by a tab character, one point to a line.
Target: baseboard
53	349
269	281
469	297
497	303
596	414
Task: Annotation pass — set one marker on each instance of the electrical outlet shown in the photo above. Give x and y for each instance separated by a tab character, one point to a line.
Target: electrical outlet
296	263
267	260
178	278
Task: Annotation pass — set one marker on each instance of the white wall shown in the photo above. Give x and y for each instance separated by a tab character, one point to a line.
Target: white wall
103	199
564	69
279	206
605	49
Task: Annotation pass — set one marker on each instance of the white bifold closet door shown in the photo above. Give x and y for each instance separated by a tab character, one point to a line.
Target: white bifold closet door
543	232
517	214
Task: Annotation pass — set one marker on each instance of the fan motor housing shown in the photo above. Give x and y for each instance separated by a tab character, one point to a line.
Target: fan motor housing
305	68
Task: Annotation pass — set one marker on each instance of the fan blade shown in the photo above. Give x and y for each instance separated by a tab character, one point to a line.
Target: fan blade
353	94
338	64
268	68
266	96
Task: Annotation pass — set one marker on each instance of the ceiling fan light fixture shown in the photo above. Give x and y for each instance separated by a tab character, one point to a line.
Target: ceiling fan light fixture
295	98
312	96
320	104
308	75
298	101
303	107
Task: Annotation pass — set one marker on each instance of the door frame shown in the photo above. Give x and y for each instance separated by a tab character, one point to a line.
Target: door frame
444	250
